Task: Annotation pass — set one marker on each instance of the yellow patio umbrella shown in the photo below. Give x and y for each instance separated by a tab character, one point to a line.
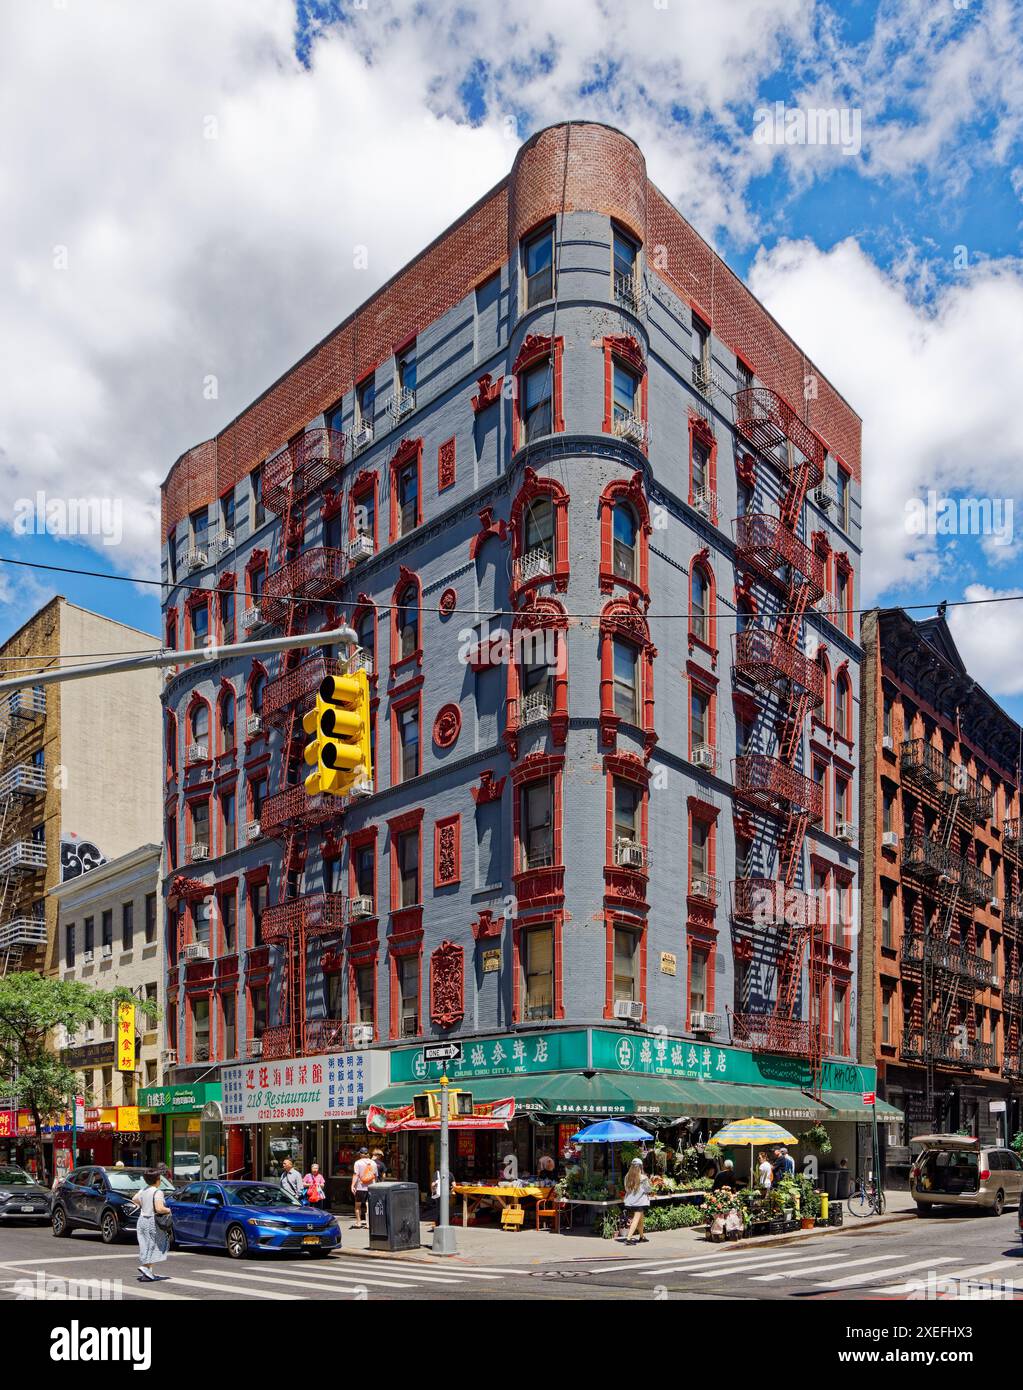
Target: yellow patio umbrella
752	1132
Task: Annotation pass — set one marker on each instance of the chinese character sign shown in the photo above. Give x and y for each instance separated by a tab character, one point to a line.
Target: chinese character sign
126	1037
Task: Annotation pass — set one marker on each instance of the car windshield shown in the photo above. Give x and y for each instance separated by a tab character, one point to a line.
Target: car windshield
258	1194
130	1180
14	1177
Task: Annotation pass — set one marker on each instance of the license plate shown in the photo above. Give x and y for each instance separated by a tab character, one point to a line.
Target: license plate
32	1209
310	1240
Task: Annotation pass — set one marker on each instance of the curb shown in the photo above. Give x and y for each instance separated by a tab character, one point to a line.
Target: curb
424	1255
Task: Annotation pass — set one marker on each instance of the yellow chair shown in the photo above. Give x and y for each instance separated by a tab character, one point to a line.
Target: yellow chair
549	1209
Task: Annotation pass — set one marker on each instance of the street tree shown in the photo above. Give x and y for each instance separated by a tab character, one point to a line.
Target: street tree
32	1008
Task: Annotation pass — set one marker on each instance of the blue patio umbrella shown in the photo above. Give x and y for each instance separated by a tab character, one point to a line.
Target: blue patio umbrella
610	1132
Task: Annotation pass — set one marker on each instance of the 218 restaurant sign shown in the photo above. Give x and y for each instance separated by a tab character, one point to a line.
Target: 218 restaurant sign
329	1087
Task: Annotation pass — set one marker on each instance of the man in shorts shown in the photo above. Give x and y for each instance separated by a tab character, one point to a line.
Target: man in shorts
364	1174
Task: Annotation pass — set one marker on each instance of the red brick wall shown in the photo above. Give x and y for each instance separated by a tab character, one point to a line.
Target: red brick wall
606	173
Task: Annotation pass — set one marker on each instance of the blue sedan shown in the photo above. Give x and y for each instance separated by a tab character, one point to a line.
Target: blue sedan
245	1217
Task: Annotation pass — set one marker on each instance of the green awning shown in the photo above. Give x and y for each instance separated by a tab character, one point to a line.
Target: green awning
847	1105
606	1094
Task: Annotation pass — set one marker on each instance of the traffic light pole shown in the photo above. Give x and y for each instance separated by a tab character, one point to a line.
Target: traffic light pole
444	1240
143	661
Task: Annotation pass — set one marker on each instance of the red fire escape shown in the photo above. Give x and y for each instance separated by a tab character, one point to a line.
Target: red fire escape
773	660
300	579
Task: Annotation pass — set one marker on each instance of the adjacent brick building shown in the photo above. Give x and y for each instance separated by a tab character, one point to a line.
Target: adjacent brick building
565	430
942	877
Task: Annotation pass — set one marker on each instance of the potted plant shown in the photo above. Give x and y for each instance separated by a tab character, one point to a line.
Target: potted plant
718	1206
816	1137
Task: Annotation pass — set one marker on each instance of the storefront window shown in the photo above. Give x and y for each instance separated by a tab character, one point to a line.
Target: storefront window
185	1155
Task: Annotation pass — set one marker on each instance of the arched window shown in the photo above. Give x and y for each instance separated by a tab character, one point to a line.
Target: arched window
843	705
539	525
257	688
227	720
366	628
701	604
626	673
824	713
407	621
624	529
199	721
538	536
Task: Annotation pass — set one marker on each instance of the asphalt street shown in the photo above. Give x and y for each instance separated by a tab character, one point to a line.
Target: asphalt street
941	1257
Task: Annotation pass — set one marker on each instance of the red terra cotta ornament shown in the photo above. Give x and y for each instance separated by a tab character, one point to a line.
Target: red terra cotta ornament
447	726
447	603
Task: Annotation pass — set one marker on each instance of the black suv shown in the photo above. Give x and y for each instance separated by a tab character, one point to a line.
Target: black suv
99	1199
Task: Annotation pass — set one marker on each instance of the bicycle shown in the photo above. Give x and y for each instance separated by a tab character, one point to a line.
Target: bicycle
866	1199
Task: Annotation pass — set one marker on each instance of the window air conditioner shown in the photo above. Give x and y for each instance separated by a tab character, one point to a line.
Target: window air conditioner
704	1023
360	547
196	950
362	907
704	755
362	1034
890	839
629	1009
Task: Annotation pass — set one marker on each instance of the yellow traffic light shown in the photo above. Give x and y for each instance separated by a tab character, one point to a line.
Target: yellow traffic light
340	725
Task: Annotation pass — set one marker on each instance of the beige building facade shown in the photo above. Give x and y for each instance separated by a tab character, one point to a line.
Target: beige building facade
80	778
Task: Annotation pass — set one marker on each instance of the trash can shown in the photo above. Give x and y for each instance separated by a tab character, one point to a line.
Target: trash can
845	1180
829	1177
394	1216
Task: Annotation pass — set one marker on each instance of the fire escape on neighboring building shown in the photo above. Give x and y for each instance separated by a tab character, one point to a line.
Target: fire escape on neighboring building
300	580
22	851
1012	928
944	965
774	661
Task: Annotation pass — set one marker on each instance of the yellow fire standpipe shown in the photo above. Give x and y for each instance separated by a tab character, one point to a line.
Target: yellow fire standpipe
824	1206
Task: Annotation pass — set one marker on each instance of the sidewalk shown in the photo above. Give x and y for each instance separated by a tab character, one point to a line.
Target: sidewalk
489	1245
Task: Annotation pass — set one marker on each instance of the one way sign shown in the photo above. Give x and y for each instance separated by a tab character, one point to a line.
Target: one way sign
443	1052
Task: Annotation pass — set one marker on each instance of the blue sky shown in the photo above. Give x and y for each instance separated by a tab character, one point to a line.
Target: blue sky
897	268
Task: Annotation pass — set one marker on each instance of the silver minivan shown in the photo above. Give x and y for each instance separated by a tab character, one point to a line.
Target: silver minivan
953	1170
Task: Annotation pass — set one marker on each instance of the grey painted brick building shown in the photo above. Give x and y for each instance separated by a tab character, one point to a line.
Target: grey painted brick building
597	522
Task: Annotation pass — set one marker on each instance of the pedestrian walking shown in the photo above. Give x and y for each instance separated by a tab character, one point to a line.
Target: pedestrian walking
153	1226
291	1183
381	1164
765	1173
637	1200
364	1174
315	1188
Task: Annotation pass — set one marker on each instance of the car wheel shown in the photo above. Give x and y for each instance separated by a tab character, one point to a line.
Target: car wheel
998	1205
108	1228
237	1246
58	1220
924	1208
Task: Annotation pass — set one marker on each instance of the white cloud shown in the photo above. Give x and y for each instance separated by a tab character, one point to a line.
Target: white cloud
933	383
990	637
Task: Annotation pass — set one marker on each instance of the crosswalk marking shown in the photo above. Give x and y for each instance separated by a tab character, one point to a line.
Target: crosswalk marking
313	1285
234	1288
412	1270
768	1260
828	1268
872	1274
286	1274
656	1266
444	1267
955	1274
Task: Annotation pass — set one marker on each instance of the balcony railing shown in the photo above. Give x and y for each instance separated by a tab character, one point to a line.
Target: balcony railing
318	913
774	785
23	704
948	1048
927	859
23	780
22	933
929	767
766	543
706	503
300	683
949	958
327	1035
301	468
1011	832
765	658
629	293
766	419
765	1032
535	707
767	902
403	402
315	574
24	856
294	807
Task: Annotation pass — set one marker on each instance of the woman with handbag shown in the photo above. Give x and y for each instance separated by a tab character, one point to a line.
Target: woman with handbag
153	1226
315	1188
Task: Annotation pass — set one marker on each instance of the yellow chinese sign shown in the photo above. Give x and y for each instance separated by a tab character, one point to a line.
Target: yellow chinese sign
126	1037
